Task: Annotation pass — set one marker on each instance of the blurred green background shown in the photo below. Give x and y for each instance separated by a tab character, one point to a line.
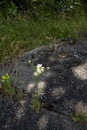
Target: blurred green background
27	24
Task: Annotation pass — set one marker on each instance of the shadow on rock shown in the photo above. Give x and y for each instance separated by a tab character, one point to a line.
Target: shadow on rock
62	89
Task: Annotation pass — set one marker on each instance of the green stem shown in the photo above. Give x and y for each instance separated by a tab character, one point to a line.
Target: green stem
36	89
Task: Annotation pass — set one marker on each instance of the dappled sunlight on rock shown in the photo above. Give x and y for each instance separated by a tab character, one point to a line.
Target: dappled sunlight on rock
42	123
30	87
81	108
58	91
80	71
49	74
20	111
41	87
62	89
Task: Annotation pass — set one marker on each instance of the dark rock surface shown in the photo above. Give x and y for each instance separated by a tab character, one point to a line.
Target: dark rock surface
62	88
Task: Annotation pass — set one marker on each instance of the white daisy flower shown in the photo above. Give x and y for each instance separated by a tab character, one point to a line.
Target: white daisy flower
39	69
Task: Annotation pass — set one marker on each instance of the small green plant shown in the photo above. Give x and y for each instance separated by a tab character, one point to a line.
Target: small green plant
8	89
79	118
6	79
38	72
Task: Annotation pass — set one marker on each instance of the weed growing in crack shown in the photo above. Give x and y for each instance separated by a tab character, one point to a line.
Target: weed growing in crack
39	69
79	118
6	79
8	89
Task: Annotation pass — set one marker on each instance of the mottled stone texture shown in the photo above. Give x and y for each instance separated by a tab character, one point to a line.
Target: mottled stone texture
62	88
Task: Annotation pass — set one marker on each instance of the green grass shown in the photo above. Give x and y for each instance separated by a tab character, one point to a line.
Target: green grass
21	33
79	118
